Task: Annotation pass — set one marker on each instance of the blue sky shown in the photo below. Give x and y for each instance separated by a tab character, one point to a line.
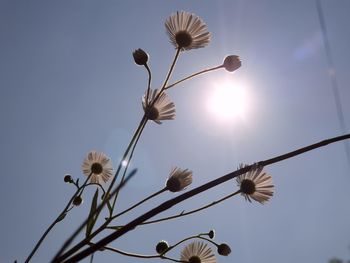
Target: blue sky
69	85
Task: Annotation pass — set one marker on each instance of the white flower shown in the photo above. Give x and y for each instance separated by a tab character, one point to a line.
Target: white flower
255	184
178	179
187	31
99	166
197	252
162	109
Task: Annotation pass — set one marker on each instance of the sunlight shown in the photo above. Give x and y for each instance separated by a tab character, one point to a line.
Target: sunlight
228	100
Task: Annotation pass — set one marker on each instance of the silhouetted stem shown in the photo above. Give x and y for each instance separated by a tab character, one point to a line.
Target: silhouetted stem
137	255
192	211
139	203
58	219
170	203
193	75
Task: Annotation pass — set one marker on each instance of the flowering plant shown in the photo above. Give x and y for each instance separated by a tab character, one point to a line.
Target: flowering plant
186	32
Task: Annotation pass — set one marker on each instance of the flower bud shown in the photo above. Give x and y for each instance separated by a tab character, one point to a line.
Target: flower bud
162	246
77	200
140	57
211	234
231	63
67	178
224	249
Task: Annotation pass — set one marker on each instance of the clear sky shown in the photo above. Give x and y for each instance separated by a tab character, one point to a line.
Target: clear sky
69	85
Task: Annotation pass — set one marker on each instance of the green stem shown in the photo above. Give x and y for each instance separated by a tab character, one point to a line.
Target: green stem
193	75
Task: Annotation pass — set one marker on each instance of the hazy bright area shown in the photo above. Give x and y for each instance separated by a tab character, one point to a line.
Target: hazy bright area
69	85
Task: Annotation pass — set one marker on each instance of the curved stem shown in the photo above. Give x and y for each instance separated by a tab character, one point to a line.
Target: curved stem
149	82
103	190
193	75
192	211
58	219
139	203
137	255
170	203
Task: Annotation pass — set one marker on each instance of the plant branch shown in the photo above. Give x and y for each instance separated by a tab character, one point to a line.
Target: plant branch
170	203
193	75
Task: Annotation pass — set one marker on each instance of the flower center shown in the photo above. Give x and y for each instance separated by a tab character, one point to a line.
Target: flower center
248	187
96	168
173	184
194	259
183	39
152	113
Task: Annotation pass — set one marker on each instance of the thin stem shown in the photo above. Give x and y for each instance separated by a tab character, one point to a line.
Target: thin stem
58	219
149	83
137	255
139	203
80	228
128	162
170	203
103	190
193	75
171	69
192	211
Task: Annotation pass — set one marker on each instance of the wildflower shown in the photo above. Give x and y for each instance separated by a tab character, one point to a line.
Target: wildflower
187	31
162	109
224	249
140	57
178	179
99	166
255	184
162	246
231	63
197	252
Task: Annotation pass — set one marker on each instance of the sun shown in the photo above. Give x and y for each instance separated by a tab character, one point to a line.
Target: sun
228	101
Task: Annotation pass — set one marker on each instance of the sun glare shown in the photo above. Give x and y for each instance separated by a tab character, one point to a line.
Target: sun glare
228	101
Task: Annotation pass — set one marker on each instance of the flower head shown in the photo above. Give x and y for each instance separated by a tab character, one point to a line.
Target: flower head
231	63
162	109
187	31
140	57
197	252
255	184
224	249
99	166
178	179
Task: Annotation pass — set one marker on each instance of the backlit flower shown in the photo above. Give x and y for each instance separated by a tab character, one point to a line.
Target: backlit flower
197	252
99	166
162	109
187	31
178	179
255	184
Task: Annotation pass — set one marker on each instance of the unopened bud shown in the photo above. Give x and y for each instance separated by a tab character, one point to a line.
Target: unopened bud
224	249
140	57
231	63
162	246
77	200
